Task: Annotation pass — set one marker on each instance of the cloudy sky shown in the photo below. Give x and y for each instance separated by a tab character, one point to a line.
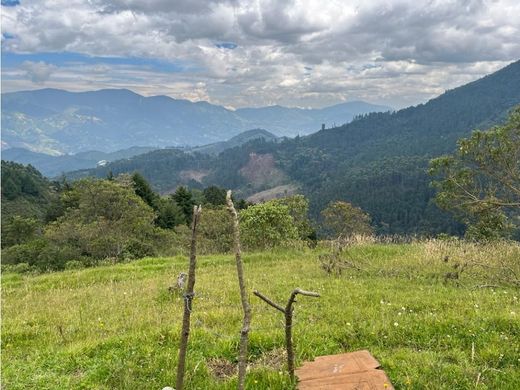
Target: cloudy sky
306	53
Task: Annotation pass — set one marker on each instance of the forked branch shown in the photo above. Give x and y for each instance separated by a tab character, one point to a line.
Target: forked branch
288	312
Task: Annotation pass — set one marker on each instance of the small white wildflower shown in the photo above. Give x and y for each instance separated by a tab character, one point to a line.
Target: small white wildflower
349	324
399	313
476	305
382	302
396	324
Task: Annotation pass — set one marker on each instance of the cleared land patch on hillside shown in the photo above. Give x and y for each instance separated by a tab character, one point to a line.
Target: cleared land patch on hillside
117	326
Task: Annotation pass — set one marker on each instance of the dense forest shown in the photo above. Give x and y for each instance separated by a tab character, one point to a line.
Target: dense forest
378	162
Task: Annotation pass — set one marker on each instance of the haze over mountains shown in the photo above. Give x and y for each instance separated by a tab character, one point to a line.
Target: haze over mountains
56	122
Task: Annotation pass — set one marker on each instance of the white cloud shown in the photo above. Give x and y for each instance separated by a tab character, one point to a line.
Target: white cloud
37	72
399	52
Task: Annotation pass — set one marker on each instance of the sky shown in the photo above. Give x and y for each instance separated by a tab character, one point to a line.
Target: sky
251	53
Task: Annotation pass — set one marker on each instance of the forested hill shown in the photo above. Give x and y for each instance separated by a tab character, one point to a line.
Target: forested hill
25	192
378	162
430	128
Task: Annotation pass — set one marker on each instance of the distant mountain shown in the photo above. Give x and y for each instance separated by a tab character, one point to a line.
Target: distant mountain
52	166
54	121
378	162
237	140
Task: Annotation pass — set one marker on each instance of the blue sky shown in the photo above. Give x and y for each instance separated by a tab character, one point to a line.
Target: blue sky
238	53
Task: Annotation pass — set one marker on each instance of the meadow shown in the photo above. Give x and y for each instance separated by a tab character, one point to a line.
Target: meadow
117	326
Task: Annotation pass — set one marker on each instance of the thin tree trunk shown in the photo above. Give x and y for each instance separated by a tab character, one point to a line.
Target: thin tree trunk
188	298
288	312
244	332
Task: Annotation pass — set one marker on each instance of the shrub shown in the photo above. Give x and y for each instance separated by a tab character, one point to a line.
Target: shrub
267	225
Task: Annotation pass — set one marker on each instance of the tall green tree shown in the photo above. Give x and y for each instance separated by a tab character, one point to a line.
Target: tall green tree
143	189
480	182
215	196
184	199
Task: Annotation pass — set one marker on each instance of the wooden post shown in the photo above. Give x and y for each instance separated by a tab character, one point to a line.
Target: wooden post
288	312
188	298
244	332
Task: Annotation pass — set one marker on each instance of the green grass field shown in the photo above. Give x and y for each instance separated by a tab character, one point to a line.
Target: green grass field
117	327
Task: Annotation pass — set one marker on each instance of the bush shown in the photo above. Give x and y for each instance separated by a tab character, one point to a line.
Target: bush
74	264
41	255
267	225
20	268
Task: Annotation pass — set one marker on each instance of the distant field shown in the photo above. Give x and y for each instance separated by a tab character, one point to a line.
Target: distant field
117	327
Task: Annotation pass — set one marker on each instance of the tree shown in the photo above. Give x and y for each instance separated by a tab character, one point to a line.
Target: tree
215	196
19	230
343	219
184	199
267	225
143	189
480	182
104	219
169	214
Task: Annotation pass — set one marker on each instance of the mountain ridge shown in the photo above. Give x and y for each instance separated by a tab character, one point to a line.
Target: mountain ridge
55	121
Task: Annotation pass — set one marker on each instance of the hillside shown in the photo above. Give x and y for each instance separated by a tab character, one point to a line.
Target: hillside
25	192
117	326
54	121
378	161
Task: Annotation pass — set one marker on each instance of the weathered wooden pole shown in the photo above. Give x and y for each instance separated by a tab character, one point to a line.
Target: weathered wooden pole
288	312
244	332
188	298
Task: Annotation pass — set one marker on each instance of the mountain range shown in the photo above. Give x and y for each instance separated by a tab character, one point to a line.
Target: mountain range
56	122
53	166
378	161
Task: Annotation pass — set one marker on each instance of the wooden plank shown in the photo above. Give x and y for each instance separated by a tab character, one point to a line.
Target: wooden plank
350	371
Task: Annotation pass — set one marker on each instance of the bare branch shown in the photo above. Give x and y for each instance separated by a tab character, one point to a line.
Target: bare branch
268	301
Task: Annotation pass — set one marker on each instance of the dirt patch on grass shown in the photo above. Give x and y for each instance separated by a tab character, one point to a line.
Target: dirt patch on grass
274	359
222	368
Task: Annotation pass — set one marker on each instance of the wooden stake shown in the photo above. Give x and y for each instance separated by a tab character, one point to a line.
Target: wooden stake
244	332
188	298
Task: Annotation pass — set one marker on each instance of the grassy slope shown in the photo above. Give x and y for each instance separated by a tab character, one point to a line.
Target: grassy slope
117	327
